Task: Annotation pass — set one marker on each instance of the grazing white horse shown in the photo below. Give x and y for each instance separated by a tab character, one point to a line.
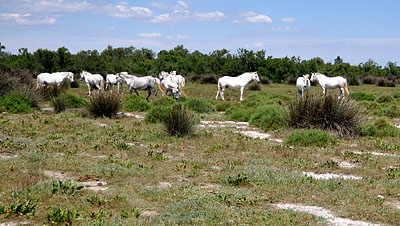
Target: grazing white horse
238	82
303	84
178	79
112	79
93	80
57	78
143	83
168	85
331	83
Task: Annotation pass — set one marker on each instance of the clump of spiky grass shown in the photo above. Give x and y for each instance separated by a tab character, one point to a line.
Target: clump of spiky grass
310	137
104	104
254	86
199	105
59	104
180	121
340	115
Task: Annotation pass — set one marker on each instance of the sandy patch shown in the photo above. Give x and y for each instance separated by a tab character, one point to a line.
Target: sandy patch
224	124
162	184
55	175
345	164
15	223
397	126
375	153
94	185
6	156
254	134
394	203
148	213
101	124
324	213
209	186
47	109
130	114
328	176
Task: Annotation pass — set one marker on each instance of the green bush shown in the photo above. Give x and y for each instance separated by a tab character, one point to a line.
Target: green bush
310	137
59	104
18	209
362	96
384	99
180	121
380	128
223	106
255	99
49	92
135	103
17	103
163	101
73	101
104	104
392	111
269	117
328	112
238	114
396	95
157	114
254	86
199	105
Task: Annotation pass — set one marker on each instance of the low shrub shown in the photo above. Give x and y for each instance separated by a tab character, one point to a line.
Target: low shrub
238	114
310	137
396	95
384	99
269	117
180	121
328	112
59	104
236	181
368	79
379	128
104	104
163	101
353	80
265	81
61	216
362	96
7	83
49	92
254	86
135	103
223	106
74	101
18	209
157	114
17	103
199	105
291	80
75	83
208	79
255	99
393	111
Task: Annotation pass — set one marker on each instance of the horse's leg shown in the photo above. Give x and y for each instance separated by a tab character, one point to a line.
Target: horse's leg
154	90
149	91
222	93
241	93
88	88
216	97
323	90
136	92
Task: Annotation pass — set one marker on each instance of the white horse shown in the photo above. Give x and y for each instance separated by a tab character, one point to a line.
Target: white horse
57	78
143	83
238	82
303	84
112	79
168	85
178	79
93	80
331	83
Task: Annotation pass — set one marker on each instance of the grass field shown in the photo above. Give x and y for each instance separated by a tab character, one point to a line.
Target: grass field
142	176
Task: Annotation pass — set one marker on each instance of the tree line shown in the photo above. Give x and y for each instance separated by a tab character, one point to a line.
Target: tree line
219	62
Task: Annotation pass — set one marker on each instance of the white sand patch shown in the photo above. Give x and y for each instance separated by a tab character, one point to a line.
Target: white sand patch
101	124
394	203
254	134
209	186
55	175
15	223
375	153
148	213
347	165
94	185
130	114
163	184
324	213
277	140
397	126
47	109
6	156
327	176
224	124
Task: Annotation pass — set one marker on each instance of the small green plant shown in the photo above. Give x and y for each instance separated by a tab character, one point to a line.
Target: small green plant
134	212
384	99
223	106
269	117
135	103
362	96
105	104
180	121
59	104
330	164
65	187
18	209
236	181
238	114
393	173
310	137
199	105
163	101
62	216
95	200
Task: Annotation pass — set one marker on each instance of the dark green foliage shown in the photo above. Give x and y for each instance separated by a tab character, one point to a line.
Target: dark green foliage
65	187
380	128
393	173
362	96
265	81
236	181
310	137
104	104
254	86
18	209
352	80
157	114
73	101
238	114
61	216
291	80
199	105
59	104
328	112
17	103
180	121
75	83
392	111
384	99
134	212
223	107
368	79
396	95
269	117
163	101
7	83
135	103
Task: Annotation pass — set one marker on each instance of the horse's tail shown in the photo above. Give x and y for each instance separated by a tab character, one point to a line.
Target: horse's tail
102	85
37	84
160	86
157	81
346	89
183	85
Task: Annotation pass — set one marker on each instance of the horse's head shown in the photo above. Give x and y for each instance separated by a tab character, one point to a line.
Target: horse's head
255	77
162	75
313	77
306	80
70	76
82	74
176	92
173	73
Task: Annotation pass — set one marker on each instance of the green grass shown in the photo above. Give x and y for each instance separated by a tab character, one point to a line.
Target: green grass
310	137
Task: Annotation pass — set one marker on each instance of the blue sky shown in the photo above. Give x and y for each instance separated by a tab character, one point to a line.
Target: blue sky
356	30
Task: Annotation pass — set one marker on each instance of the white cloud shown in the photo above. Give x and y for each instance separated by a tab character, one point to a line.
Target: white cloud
163	18
288	20
284	29
46	6
26	19
150	35
159	5
177	37
213	16
255	45
181	5
252	17
124	10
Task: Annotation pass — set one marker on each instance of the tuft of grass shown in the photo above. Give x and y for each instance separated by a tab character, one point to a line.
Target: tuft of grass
238	114
310	137
180	121
73	101
362	96
269	117
380	128
199	105
223	106
62	216
59	104
17	103
157	114
18	209
135	103
385	99
236	181
341	116
105	104
163	101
